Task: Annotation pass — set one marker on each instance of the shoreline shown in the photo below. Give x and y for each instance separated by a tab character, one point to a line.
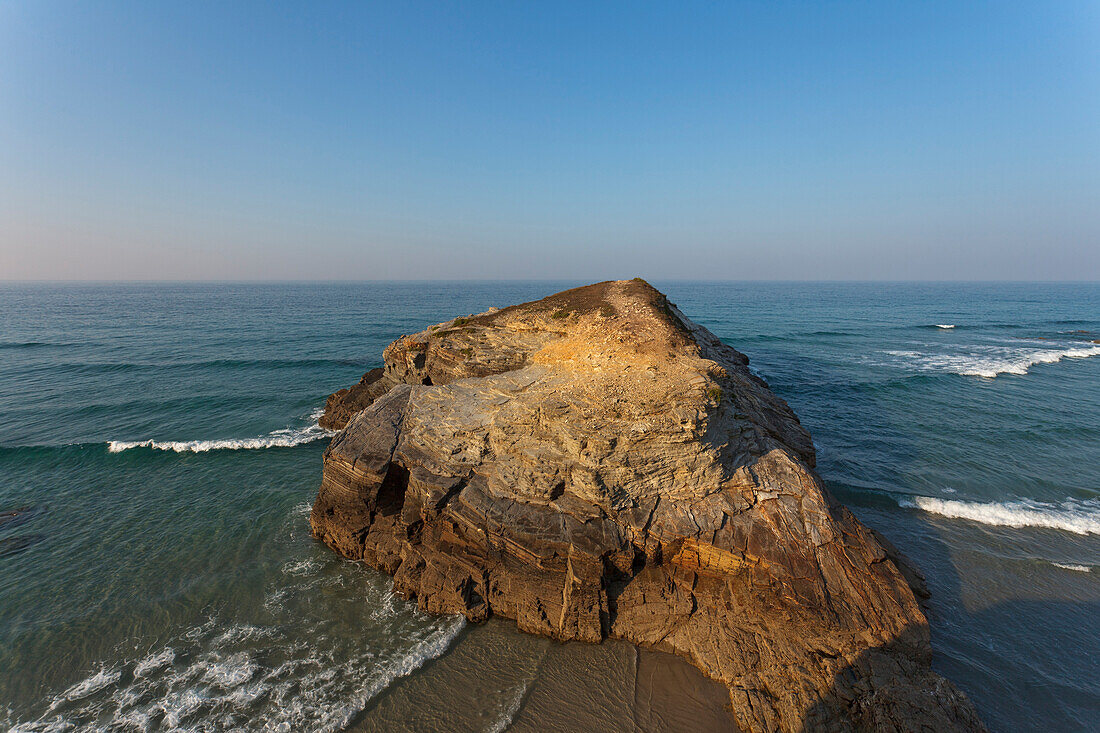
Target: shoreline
614	686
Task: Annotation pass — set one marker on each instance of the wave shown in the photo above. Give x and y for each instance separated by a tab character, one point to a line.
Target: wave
31	345
111	367
289	668
154	662
791	336
362	363
89	685
210	680
969	326
510	706
993	361
283	438
827	333
756	372
300	567
1071	566
1079	517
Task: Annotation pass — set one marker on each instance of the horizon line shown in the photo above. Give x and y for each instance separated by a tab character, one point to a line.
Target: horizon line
712	281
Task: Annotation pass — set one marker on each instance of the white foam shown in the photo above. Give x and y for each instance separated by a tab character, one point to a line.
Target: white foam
1070	516
1076	568
756	372
387	607
320	688
509	708
284	669
235	634
231	672
301	567
154	662
945	325
94	683
274	601
991	361
179	706
436	643
283	438
245	696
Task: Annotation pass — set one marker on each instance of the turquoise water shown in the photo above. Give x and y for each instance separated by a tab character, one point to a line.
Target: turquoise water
162	440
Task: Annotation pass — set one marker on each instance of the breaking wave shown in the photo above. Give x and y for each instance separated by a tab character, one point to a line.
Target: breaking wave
945	325
1079	517
991	361
217	681
1071	566
87	686
283	438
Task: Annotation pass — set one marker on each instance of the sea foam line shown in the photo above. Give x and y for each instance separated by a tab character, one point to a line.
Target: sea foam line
283	438
510	707
991	364
436	643
318	688
1070	516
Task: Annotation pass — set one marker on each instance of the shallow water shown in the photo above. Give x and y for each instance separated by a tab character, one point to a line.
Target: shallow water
163	441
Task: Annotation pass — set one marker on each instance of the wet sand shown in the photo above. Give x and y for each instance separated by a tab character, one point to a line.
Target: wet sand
495	678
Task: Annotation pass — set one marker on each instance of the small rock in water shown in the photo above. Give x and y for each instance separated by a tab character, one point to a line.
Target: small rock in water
14	517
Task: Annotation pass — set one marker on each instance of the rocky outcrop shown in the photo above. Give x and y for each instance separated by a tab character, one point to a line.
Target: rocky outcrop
594	464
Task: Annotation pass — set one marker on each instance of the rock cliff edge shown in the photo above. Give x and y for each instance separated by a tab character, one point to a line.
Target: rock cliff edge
594	464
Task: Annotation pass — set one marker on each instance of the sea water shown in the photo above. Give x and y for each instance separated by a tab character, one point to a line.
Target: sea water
161	442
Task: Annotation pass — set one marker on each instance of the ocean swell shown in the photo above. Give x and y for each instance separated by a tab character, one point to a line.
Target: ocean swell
282	438
1079	517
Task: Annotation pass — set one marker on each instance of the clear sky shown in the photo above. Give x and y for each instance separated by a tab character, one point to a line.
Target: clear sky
728	140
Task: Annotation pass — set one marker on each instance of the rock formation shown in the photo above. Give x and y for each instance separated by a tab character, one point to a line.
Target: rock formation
594	464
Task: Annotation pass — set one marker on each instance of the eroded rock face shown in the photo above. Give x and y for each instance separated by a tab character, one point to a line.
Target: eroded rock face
594	464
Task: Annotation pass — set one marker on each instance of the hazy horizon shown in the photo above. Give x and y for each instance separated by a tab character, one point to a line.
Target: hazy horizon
268	142
555	280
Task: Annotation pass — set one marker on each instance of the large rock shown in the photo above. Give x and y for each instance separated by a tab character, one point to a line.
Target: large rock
594	464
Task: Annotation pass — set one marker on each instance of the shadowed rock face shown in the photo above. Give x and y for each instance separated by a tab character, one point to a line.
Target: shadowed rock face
594	464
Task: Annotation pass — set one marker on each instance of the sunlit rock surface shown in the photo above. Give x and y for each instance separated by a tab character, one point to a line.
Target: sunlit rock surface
594	464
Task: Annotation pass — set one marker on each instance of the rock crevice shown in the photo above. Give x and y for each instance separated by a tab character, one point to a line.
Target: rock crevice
596	465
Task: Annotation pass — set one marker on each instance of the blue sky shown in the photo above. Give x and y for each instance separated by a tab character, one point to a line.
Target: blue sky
752	140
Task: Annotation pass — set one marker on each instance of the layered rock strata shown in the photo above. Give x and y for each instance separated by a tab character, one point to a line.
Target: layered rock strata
595	464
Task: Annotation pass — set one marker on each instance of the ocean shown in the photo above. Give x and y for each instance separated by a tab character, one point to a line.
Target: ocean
159	453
